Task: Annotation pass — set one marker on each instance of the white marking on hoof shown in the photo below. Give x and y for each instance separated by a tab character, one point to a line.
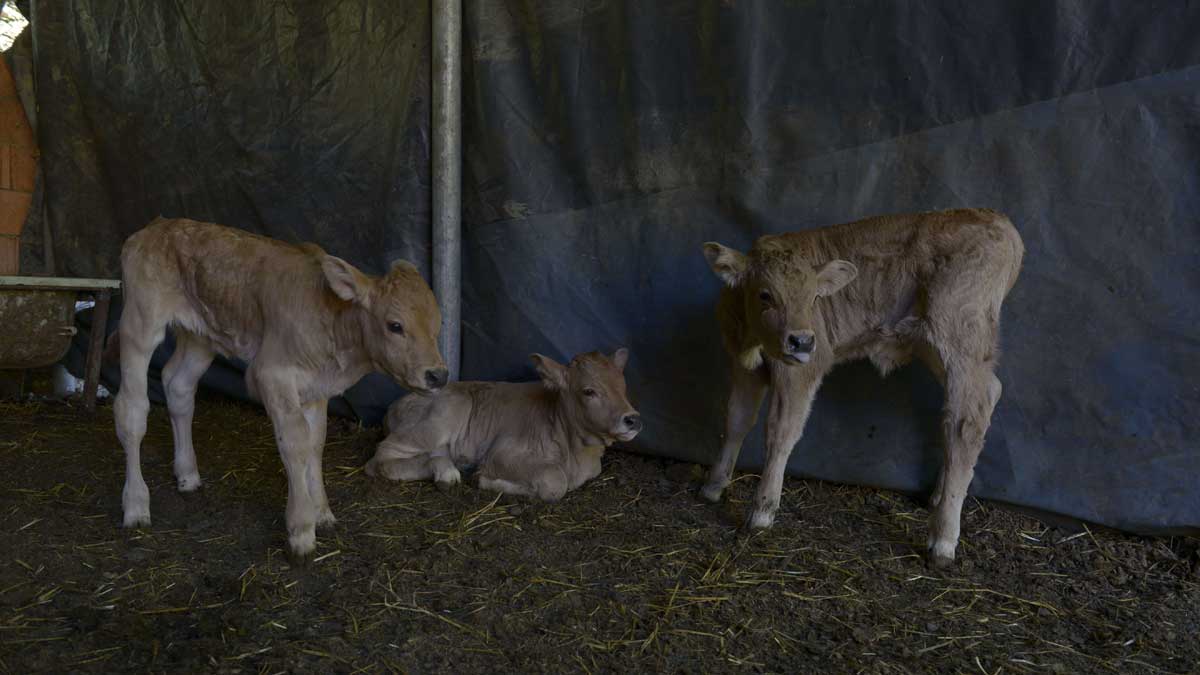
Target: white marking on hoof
137	518
712	492
760	520
941	555
189	482
325	517
135	502
448	476
301	544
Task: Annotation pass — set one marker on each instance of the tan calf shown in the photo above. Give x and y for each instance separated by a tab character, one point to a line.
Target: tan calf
536	439
928	285
308	324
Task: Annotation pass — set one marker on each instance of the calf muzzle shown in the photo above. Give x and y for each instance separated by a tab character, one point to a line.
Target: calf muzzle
798	346
436	378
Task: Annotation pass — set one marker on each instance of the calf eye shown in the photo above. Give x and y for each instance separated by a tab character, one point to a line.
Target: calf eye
396	327
765	296
589	392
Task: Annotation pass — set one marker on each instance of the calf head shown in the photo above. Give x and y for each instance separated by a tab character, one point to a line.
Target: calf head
779	293
591	392
398	319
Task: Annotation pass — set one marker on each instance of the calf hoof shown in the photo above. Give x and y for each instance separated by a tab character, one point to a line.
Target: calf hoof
298	560
135	518
448	479
371	468
135	503
448	487
301	546
940	562
188	483
712	493
325	518
760	520
941	556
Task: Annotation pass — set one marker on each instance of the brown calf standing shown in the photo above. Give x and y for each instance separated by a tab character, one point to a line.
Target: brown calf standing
308	324
928	285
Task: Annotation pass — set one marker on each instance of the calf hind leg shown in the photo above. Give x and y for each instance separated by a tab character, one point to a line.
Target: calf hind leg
929	356
971	396
398	460
791	402
139	335
181	375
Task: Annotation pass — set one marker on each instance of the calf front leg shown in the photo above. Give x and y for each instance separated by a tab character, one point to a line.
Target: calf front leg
793	390
316	415
745	398
445	474
296	447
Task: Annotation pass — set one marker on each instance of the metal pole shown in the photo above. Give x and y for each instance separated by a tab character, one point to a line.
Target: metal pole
447	175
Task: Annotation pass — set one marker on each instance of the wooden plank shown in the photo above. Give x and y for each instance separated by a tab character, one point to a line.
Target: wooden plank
59	283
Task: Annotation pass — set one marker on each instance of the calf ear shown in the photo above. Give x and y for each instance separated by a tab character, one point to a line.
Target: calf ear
620	358
553	373
345	280
401	265
833	275
729	265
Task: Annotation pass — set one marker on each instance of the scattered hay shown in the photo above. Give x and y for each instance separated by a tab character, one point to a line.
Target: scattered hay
630	573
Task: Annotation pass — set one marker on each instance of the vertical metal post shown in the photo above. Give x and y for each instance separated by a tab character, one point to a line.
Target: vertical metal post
447	175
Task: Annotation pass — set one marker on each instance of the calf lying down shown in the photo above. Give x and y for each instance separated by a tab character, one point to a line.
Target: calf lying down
535	439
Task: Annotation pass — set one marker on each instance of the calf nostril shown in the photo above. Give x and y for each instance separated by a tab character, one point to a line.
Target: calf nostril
435	378
632	421
798	342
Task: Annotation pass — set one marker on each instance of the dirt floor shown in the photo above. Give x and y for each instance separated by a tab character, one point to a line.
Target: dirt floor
628	574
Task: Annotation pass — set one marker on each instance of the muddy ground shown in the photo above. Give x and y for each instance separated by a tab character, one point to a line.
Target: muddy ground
629	574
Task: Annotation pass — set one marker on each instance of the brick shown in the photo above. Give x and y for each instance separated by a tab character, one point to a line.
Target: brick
8	87
10	255
14	128
23	160
14	207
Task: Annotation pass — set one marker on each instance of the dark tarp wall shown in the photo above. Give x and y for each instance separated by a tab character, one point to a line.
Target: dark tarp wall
606	140
302	121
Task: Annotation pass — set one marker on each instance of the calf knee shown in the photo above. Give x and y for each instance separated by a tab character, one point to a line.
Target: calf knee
551	492
180	399
130	414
